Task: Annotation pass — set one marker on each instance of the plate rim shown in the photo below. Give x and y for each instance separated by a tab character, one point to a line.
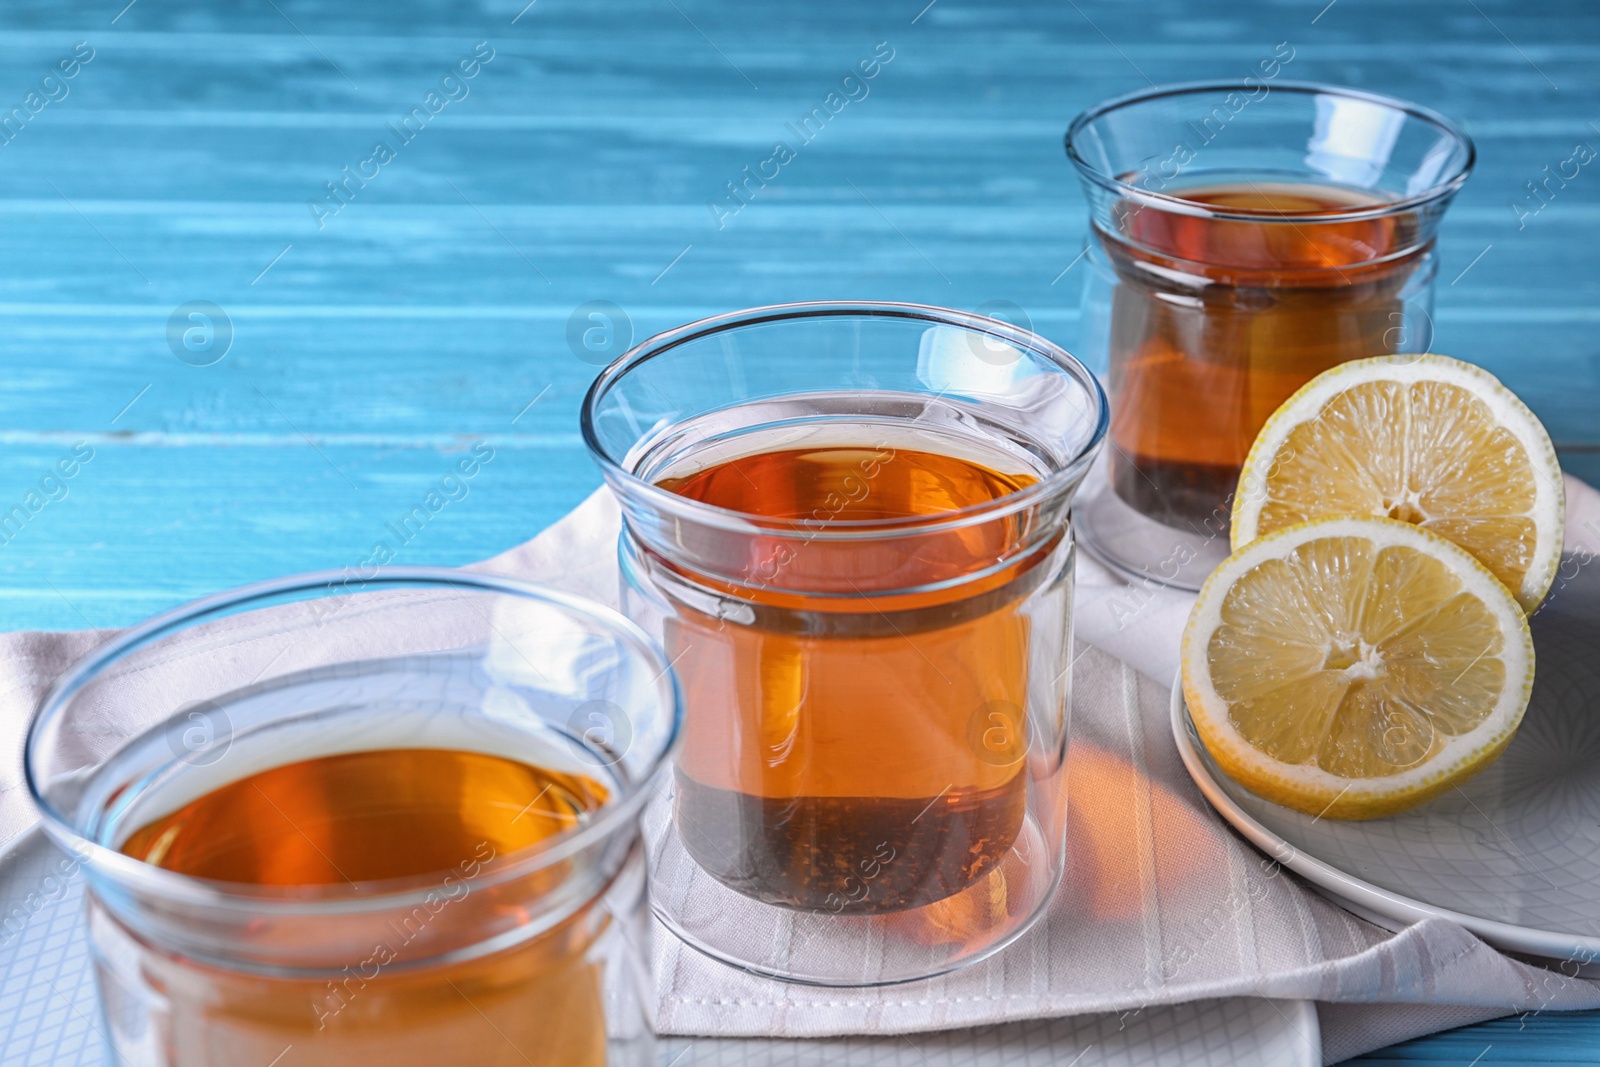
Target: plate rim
1348	889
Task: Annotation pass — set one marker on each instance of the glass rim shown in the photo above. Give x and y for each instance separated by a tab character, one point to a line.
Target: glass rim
1445	187
845	529
373	894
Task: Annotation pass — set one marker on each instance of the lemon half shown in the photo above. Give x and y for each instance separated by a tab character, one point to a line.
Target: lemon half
1352	667
1428	440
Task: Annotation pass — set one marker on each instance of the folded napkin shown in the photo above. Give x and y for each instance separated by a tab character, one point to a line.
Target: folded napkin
1162	902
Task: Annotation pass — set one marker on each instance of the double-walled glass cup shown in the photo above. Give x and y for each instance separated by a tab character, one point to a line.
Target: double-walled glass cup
390	819
849	525
1244	237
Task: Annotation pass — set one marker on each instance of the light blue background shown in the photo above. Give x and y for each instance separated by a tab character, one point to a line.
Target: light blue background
433	308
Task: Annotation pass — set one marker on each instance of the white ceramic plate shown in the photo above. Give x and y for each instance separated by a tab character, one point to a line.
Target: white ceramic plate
1512	855
49	1018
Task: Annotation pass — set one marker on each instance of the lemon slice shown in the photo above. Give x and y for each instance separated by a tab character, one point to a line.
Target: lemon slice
1352	667
1425	439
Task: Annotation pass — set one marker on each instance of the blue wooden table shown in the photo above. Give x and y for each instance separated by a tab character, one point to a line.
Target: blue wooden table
256	337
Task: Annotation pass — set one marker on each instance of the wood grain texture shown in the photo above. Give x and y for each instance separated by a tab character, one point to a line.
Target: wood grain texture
429	311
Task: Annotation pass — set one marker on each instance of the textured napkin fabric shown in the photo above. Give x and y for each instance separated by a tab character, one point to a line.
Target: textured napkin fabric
1162	902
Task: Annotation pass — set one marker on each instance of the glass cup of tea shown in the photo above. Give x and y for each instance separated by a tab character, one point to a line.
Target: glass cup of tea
1243	238
330	820
848	523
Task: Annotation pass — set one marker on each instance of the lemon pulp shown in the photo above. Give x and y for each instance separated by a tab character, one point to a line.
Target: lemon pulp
1355	666
1436	442
1387	658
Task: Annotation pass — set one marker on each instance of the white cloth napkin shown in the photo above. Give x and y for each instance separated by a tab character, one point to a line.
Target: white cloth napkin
1163	903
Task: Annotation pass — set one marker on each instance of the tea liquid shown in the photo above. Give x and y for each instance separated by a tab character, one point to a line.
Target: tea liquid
364	816
358	817
859	752
1216	322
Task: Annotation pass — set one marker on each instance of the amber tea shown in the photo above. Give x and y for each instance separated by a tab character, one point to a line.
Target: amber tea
860	752
355	818
364	816
1216	321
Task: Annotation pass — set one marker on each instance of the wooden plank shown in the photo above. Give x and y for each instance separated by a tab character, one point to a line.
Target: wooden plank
141	528
1551	1037
341	372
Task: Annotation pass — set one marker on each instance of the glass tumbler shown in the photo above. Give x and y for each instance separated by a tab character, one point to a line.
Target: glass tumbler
849	525
391	819
1243	238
